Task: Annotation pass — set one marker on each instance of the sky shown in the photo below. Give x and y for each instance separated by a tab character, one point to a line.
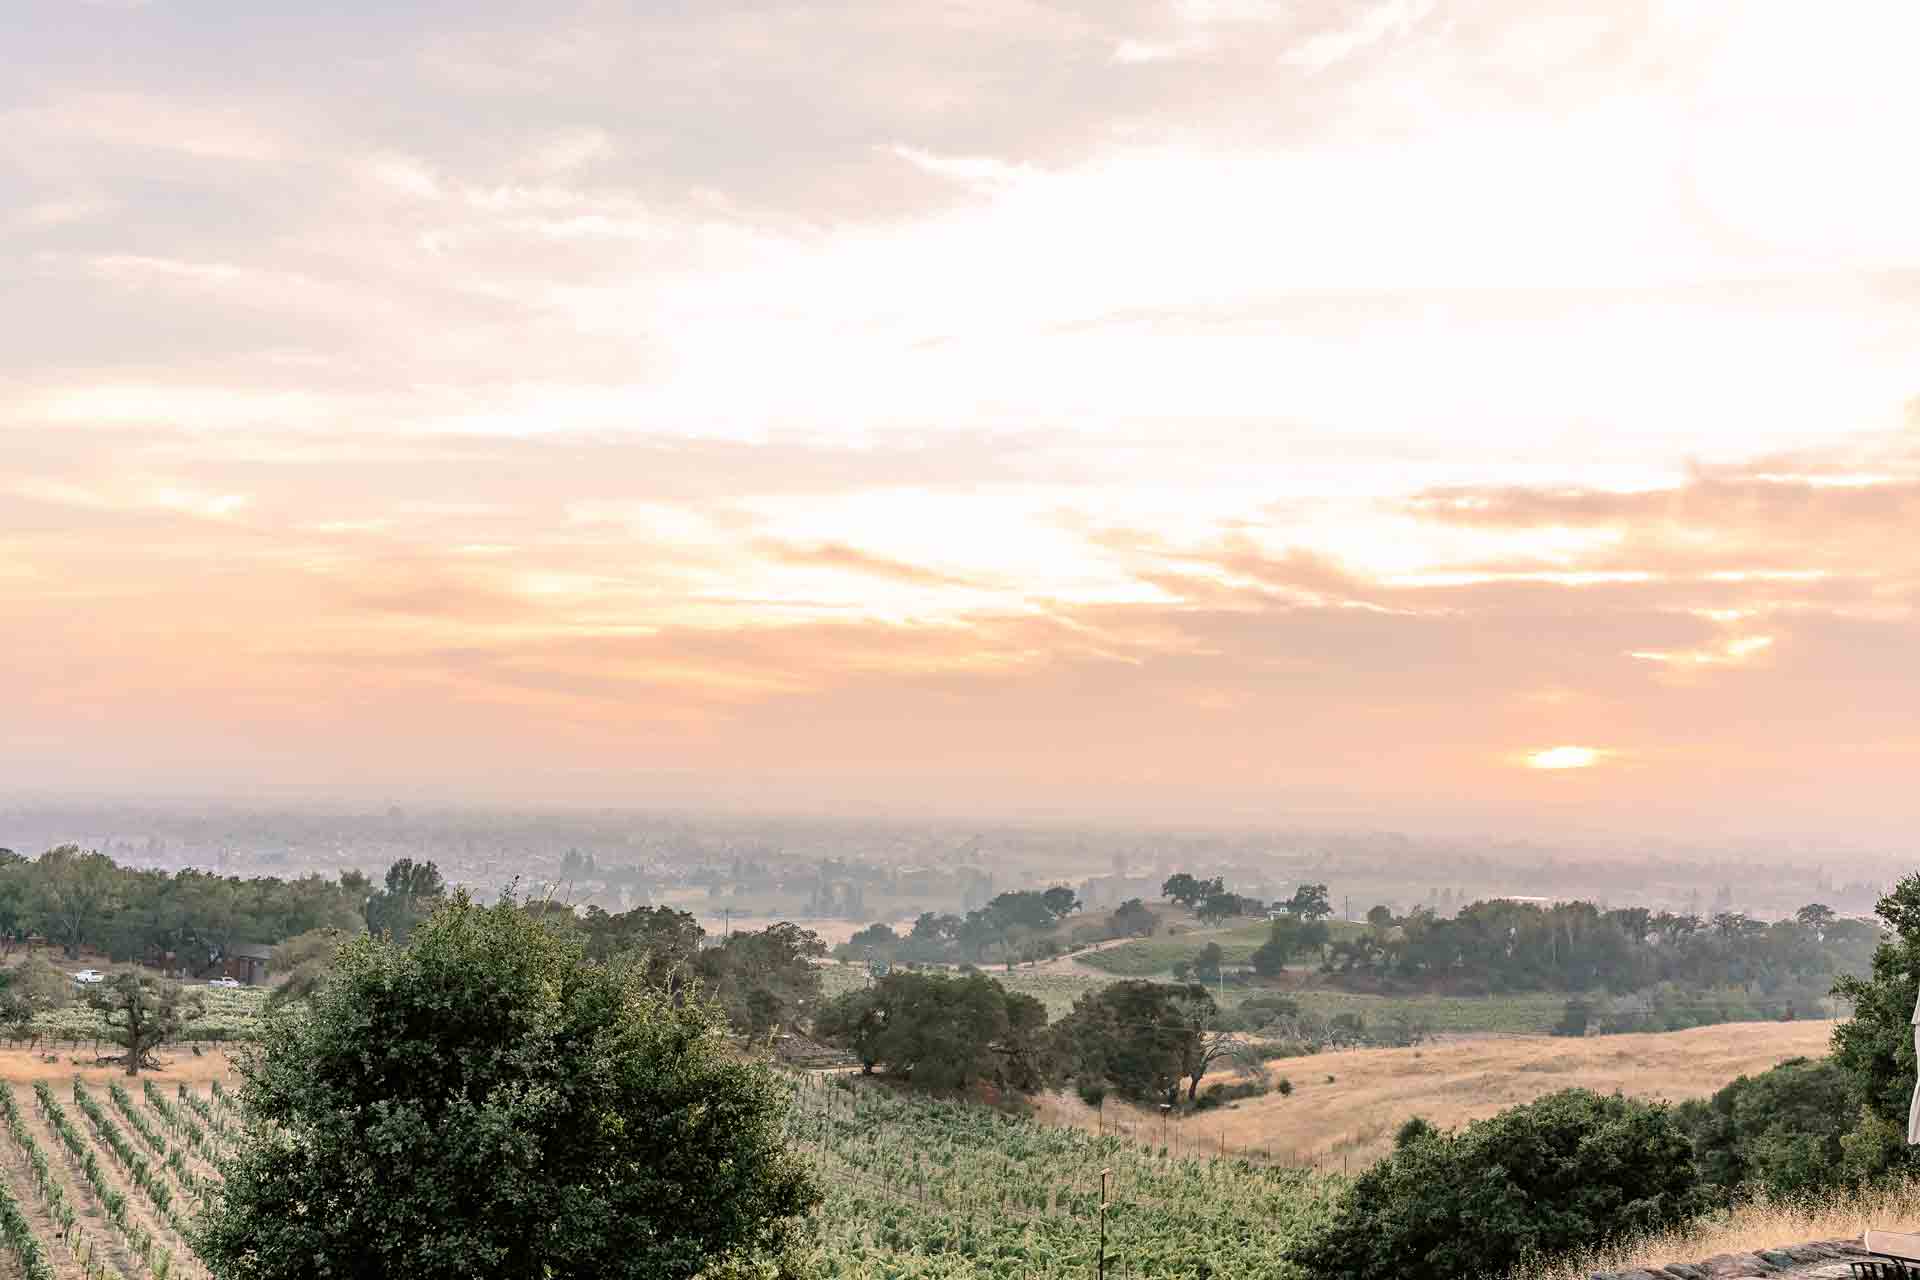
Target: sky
1398	411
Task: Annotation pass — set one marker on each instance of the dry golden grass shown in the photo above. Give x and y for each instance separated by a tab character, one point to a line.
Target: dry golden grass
1762	1224
1350	1120
24	1066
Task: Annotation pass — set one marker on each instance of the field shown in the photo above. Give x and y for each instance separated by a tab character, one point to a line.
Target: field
1151	957
1345	1106
100	1176
920	1189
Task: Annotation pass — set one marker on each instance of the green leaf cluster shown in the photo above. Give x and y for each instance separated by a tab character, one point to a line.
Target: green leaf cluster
1569	1171
485	1102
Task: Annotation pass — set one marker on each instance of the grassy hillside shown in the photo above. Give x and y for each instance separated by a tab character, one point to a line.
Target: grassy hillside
1345	1106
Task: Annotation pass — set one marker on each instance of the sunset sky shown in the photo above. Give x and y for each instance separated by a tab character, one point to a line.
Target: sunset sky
1396	412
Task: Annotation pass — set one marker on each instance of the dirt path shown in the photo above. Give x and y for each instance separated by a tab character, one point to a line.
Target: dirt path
1071	964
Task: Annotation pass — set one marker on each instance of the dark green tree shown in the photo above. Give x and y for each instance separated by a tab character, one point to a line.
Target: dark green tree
765	980
1783	1130
1570	1171
484	1102
1188	891
1875	1047
142	1013
1206	965
413	889
1133	919
1309	902
1283	941
74	891
854	1021
1060	901
943	1032
1136	1037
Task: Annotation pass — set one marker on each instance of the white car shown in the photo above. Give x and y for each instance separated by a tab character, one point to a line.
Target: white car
89	976
223	982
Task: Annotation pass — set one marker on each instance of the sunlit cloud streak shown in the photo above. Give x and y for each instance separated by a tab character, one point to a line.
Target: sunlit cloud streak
1202	410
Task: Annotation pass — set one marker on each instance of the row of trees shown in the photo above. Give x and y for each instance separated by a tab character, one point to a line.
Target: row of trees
1012	927
1141	1040
1212	901
192	920
1501	945
1574	1171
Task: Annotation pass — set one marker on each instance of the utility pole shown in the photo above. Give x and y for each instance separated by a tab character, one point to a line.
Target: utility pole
1103	1222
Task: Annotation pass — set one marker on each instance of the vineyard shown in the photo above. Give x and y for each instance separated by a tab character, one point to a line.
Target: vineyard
102	1182
232	1014
921	1189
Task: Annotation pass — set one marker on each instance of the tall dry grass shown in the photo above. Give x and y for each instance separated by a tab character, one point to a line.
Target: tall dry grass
1763	1223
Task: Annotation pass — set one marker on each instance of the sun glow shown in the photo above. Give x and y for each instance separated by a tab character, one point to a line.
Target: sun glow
1564	758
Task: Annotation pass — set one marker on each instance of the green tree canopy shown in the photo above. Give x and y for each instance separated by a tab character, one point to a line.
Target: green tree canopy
413	889
484	1102
1569	1171
142	1013
1189	891
1138	1038
943	1032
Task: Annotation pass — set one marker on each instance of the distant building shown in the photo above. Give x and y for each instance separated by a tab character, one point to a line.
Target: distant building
248	963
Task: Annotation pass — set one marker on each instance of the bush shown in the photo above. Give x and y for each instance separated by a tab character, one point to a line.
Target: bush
1780	1130
1570	1171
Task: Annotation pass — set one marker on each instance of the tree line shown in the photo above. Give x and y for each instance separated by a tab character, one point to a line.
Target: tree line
1503	946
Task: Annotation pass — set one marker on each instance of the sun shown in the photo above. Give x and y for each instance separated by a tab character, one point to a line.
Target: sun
1564	758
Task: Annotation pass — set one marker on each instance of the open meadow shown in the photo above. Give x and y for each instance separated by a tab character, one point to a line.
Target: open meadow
1346	1105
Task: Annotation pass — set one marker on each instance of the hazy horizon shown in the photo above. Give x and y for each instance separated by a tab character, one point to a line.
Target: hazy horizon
1400	414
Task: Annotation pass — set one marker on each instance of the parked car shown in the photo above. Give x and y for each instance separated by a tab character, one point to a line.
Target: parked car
223	982
89	976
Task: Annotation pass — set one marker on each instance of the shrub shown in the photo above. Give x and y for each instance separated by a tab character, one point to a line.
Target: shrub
1781	1130
1570	1171
1413	1130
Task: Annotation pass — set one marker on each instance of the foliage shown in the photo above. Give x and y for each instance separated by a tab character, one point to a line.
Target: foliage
1190	891
1132	919
1779	1131
1216	907
766	980
412	890
1287	937
1498	946
490	1079
303	962
141	1013
1569	1171
661	940
1875	1047
31	988
925	1189
1140	1038
942	1032
1309	902
187	920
